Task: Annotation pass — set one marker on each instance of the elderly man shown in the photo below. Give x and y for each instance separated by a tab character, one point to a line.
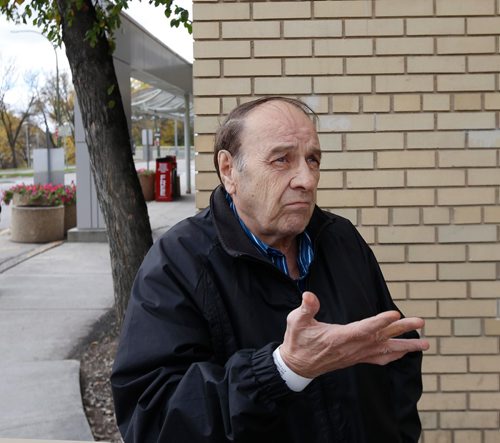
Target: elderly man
264	318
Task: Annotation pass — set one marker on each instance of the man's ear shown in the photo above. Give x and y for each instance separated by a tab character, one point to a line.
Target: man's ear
226	170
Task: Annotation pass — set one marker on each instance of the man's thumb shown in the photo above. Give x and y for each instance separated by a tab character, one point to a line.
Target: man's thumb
310	304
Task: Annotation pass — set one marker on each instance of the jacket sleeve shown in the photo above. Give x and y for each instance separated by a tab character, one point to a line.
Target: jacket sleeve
167	384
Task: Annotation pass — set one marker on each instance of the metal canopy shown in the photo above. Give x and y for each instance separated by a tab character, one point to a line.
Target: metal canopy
154	101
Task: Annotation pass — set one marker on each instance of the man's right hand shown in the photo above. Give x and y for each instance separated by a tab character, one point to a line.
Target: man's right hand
311	348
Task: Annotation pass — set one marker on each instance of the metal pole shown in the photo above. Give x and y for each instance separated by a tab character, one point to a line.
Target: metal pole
27	130
176	139
187	143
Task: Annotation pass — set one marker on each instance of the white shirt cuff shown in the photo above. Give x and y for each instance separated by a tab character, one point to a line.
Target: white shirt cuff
294	381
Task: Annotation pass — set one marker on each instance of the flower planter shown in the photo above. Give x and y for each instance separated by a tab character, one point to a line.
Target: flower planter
25	200
37	224
147	182
69	217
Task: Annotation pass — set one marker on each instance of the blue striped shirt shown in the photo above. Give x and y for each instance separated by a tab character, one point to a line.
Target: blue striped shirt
304	257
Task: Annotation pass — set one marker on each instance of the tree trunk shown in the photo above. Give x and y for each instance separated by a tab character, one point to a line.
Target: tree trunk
107	137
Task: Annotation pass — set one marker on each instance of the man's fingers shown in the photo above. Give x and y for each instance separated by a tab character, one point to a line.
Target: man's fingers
373	325
400	327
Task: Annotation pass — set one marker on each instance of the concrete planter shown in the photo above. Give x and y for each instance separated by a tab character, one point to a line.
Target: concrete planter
148	186
37	224
69	217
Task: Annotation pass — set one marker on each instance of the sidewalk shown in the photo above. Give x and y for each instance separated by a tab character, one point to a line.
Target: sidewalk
50	297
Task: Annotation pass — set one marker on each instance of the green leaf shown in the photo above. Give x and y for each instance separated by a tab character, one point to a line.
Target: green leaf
111	89
111	104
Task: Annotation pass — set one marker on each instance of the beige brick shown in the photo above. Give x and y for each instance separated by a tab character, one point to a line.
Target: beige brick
346	47
429	421
206	68
485	401
467	233
389	253
436	253
222	86
417	308
204	162
330	142
221	49
375	216
436	216
465	7
347	160
202	199
282	85
484	176
282	48
375	65
406	234
436	102
406	102
469	382
374	141
220	11
430	383
467	102
466	120
467	271
331	179
405	122
436	140
312	28
345	198
313	66
406	216
442	364
468	158
405	159
485	363
465	45
491	436
435	327
437	436
342	85
469	345
397	290
405	197
251	67
345	103
206	180
436	177
467	436
375	179
403	8
346	123
342	8
492	100
467	326
469	419
466	215
250	29
484	63
436	64
466	82
281	10
484	139
465	196
206	124
373	27
467	308
435	26
204	143
376	103
205	30
490	252
492	326
404	45
442	401
404	83
349	213
483	25
492	214
368	234
206	105
438	290
485	289
228	104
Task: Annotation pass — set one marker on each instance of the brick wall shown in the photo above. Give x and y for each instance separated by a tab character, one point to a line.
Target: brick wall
408	97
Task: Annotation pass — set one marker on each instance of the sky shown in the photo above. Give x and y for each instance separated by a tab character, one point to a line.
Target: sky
32	52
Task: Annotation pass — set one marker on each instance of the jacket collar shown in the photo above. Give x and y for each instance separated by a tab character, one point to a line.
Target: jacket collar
231	234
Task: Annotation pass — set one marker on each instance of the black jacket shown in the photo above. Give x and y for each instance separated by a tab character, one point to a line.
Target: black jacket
206	312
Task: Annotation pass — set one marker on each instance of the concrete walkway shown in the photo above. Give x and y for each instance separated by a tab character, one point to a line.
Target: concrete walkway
50	297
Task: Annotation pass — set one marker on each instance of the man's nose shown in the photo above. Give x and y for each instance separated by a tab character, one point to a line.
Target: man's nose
305	177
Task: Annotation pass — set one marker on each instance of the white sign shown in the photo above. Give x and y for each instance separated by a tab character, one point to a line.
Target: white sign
147	137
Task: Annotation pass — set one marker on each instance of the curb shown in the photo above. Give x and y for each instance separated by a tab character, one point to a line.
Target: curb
14	261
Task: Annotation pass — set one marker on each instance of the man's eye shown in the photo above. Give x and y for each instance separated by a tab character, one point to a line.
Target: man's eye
281	160
314	160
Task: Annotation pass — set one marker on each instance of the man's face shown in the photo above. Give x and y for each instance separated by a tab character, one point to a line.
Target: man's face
275	189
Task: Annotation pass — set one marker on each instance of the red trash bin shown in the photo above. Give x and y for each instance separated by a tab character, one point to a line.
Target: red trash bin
166	172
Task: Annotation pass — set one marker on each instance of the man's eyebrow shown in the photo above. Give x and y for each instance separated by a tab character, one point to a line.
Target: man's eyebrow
285	147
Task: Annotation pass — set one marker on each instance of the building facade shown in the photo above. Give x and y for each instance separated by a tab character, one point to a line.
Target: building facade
407	93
